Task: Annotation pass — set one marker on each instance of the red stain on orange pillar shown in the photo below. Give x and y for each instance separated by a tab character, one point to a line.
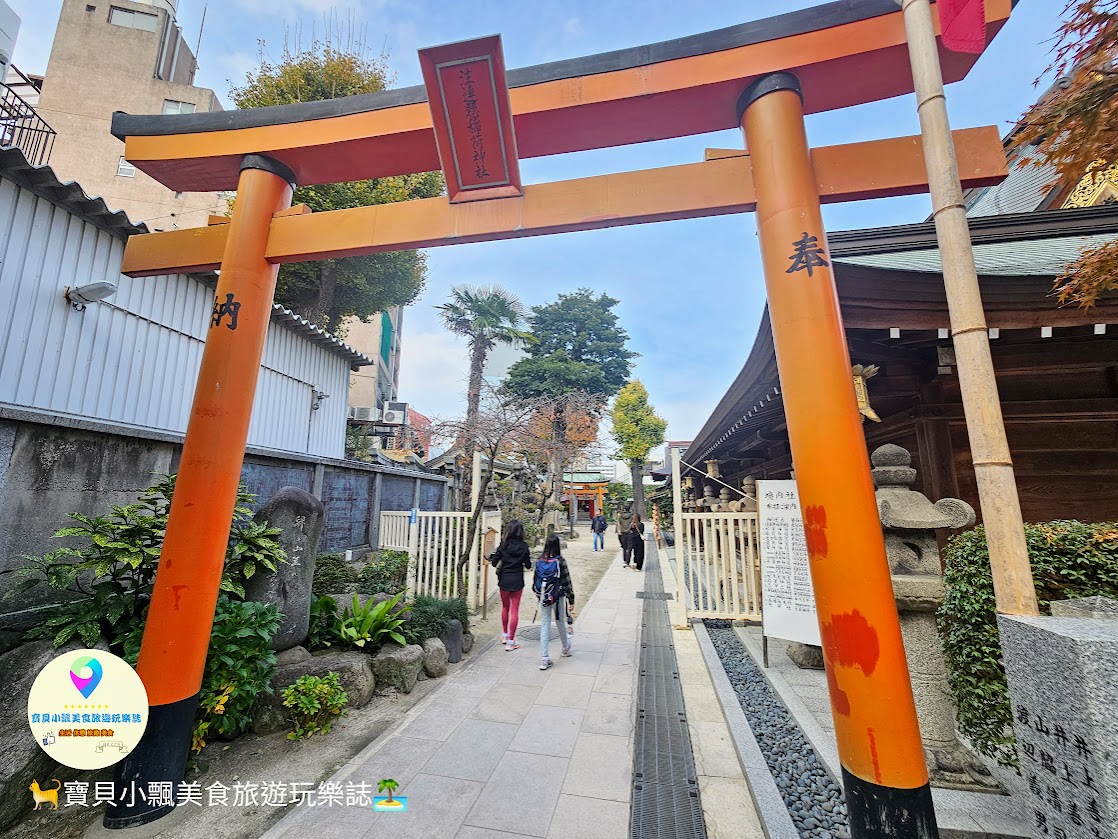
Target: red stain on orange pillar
815	530
839	700
873	755
849	641
177	590
852	641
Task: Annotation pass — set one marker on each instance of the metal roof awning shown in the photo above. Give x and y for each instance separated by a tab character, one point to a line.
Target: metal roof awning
70	196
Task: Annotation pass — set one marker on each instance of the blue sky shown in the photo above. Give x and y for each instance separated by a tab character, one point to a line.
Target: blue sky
691	292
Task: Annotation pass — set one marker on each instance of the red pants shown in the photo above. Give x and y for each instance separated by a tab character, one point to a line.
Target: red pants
510	611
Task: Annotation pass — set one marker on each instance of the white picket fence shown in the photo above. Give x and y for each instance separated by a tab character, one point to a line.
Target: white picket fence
394	529
718	565
435	542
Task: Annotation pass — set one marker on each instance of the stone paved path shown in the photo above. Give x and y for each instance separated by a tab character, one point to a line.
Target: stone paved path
504	749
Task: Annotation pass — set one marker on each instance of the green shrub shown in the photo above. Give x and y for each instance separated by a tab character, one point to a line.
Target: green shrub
386	573
314	702
430	617
240	665
325	624
1069	559
114	572
372	624
333	575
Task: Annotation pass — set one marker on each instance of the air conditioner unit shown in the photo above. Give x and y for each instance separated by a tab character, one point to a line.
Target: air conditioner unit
366	413
375	443
400	408
395	417
351	413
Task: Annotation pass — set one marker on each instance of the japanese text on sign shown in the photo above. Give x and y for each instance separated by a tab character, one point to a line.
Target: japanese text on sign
788	602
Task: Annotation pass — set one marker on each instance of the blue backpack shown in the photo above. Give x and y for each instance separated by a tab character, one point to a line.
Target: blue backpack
545	583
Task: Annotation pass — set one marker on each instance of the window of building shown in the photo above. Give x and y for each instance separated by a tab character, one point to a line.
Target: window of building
125	169
133	20
385	337
170	106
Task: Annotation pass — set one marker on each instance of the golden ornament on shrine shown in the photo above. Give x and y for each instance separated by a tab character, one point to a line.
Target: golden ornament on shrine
861	373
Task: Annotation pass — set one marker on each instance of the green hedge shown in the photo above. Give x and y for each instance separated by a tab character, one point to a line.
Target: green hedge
1069	559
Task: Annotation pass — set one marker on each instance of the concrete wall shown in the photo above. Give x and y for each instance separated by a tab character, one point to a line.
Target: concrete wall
97	67
52	466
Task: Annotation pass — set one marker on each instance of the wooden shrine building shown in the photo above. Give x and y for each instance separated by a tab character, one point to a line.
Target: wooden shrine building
1056	366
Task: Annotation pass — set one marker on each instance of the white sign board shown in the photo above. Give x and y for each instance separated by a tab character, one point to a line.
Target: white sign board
787	599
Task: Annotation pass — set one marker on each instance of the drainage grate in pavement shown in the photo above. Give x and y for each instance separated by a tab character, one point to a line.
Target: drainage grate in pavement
665	784
667	810
532	633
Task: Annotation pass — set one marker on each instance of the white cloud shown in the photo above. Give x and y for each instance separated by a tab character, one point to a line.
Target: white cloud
289	8
572	29
433	372
231	67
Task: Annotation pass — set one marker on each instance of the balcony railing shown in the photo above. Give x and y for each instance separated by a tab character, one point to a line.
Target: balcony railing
22	127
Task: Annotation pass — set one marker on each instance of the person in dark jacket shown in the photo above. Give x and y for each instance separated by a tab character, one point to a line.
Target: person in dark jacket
599	525
634	539
622	529
511	559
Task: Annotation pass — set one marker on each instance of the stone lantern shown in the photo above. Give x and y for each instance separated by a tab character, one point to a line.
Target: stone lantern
748	503
910	522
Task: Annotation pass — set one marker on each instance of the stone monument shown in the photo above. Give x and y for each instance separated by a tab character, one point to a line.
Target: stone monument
910	522
300	516
1062	687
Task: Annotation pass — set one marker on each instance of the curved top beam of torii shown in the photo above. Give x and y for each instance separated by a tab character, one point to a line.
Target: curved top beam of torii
845	53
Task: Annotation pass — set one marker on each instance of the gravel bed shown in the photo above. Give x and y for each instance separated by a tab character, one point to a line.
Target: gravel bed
815	801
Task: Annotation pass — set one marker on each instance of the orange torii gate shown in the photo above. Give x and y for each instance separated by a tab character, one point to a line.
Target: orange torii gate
475	123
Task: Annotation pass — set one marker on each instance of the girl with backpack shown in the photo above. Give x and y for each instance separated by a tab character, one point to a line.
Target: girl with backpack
511	559
552	585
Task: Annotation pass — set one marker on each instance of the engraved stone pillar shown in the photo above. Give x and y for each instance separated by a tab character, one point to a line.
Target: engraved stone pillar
910	522
1062	685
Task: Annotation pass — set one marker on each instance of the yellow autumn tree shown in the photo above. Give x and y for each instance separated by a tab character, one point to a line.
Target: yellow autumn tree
1074	128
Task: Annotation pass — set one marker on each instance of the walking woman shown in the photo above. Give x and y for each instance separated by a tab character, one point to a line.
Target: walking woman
552	585
511	559
635	540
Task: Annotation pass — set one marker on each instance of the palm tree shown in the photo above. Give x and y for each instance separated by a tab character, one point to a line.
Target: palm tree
486	315
388	785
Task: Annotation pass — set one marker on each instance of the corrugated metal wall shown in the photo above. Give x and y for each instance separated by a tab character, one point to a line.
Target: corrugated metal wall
133	359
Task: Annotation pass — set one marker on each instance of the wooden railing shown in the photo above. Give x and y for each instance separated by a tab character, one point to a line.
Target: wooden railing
718	565
394	529
435	542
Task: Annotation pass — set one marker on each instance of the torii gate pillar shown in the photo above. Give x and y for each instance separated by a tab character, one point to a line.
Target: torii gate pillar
884	774
180	617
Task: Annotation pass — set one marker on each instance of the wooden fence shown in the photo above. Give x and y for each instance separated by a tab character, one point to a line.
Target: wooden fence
435	542
718	565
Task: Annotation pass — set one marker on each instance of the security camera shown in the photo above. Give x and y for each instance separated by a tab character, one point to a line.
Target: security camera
79	296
